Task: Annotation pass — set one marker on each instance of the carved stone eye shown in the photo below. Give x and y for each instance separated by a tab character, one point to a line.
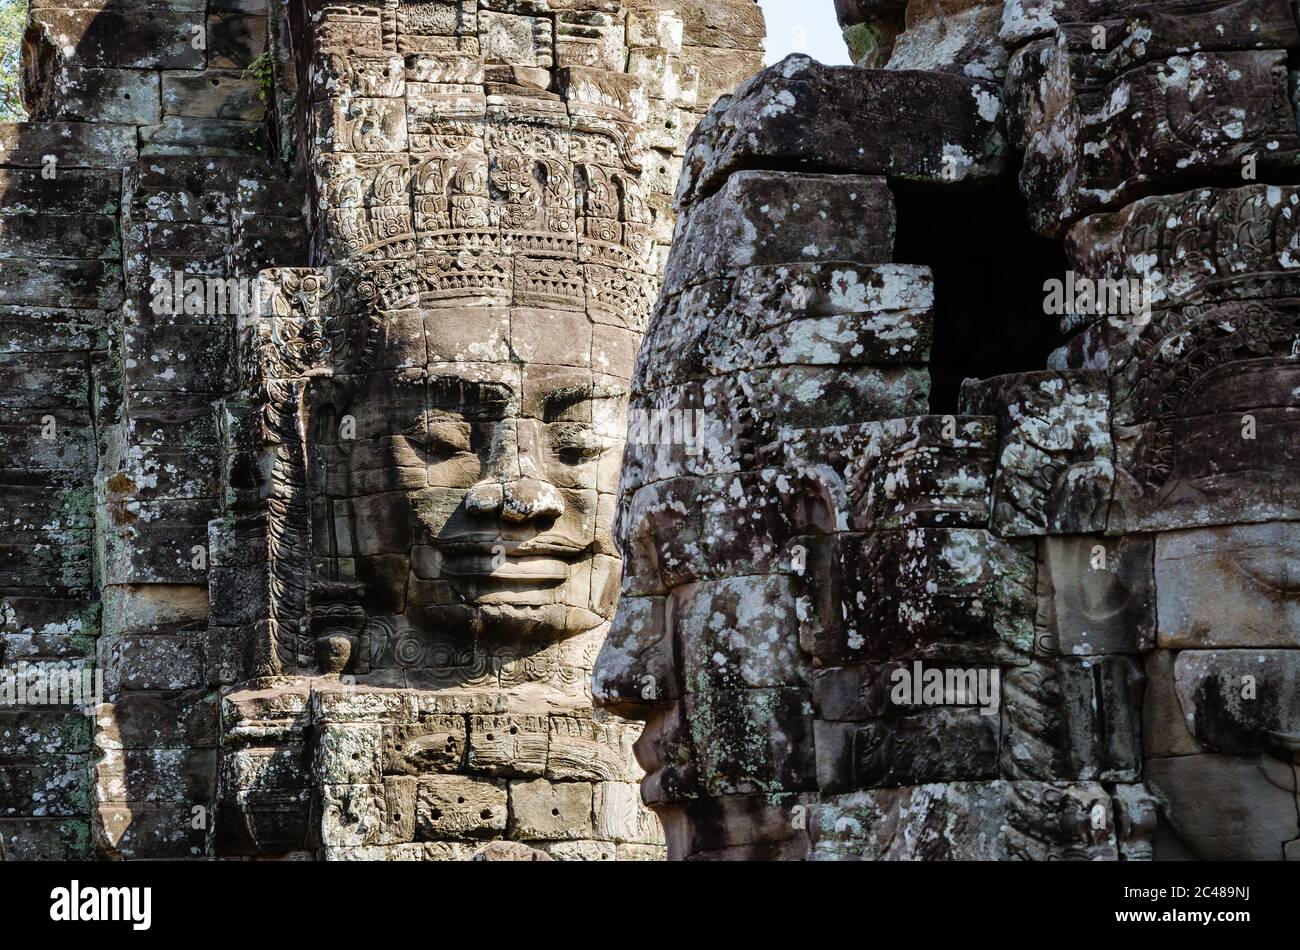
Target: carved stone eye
440	433
575	443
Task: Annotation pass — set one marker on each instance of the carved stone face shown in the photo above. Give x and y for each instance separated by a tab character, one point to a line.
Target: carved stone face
433	415
779	575
1204	407
1223	727
492	219
793	528
468	497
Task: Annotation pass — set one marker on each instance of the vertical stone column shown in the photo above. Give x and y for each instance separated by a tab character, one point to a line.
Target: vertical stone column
174	84
60	287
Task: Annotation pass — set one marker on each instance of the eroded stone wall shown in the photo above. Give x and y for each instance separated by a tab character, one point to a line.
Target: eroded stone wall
144	126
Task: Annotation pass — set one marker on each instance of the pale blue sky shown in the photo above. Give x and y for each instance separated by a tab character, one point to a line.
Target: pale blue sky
803	26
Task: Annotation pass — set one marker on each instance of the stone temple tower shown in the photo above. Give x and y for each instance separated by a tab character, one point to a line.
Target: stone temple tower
317	323
524	429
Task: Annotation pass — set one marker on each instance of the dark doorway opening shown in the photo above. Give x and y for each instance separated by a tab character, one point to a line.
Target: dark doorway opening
989	269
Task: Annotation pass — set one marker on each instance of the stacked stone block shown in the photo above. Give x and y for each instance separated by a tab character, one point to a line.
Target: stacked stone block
1159	143
817	531
177	140
193	145
489	203
60	284
398	775
1111	535
186	218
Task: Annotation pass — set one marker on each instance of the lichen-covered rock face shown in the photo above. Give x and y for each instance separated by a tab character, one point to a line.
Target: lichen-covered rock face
959	36
1115	104
1202	393
801	539
1059	622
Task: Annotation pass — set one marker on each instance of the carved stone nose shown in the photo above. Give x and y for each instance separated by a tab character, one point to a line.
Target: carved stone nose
519	500
527	499
484	498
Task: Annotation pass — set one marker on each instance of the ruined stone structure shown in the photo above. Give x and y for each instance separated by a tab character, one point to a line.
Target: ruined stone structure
957	512
871	611
318	324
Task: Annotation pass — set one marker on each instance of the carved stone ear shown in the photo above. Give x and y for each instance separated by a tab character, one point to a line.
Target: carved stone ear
338	626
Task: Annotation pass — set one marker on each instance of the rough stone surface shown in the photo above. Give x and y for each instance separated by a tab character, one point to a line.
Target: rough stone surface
523	430
1057	622
316	340
931	126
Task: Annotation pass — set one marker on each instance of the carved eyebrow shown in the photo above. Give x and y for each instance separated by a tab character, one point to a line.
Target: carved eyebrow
558	400
460	391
